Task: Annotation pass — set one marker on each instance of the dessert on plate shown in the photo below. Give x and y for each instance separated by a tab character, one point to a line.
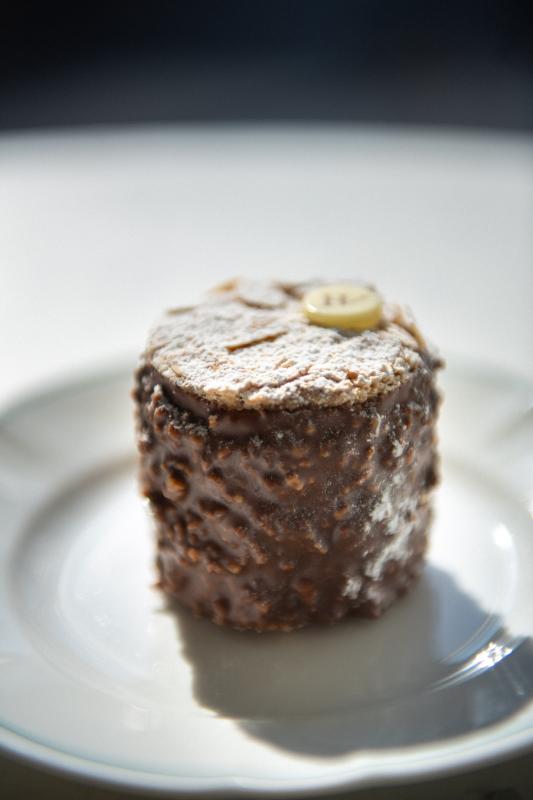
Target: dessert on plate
288	451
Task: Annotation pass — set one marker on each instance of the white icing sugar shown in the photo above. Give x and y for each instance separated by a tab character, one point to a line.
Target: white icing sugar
249	345
375	593
396	550
398	448
352	587
397	508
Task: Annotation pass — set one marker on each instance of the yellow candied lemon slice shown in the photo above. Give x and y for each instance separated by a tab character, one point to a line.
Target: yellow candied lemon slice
343	306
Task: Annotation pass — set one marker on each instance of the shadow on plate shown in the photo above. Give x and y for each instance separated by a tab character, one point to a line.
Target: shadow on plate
435	666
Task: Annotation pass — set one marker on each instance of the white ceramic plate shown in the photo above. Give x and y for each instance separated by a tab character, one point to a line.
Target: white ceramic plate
99	677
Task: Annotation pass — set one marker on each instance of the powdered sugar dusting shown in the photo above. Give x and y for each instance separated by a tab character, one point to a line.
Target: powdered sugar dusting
398	448
250	346
396	507
352	587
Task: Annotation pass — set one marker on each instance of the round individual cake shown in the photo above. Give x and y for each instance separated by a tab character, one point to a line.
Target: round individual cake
288	462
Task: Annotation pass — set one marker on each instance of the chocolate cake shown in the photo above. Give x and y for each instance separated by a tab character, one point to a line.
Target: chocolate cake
288	463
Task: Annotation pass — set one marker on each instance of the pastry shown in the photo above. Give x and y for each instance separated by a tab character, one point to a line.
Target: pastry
288	452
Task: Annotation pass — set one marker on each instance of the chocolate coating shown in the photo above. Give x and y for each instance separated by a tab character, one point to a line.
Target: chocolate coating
271	519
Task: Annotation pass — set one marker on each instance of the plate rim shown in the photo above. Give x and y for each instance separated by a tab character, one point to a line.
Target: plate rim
59	762
24	748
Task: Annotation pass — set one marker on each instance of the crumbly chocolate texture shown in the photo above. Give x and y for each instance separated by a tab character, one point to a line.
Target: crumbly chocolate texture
273	517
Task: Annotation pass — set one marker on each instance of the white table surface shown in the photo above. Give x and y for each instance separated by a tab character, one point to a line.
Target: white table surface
100	230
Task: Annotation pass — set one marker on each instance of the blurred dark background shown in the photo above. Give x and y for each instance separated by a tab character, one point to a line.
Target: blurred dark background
467	63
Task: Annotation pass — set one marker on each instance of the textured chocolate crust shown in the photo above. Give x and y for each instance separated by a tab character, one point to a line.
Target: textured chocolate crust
271	519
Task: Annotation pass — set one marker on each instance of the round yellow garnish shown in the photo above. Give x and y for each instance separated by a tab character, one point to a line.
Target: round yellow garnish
343	306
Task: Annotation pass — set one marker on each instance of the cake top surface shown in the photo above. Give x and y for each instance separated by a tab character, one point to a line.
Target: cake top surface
249	345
